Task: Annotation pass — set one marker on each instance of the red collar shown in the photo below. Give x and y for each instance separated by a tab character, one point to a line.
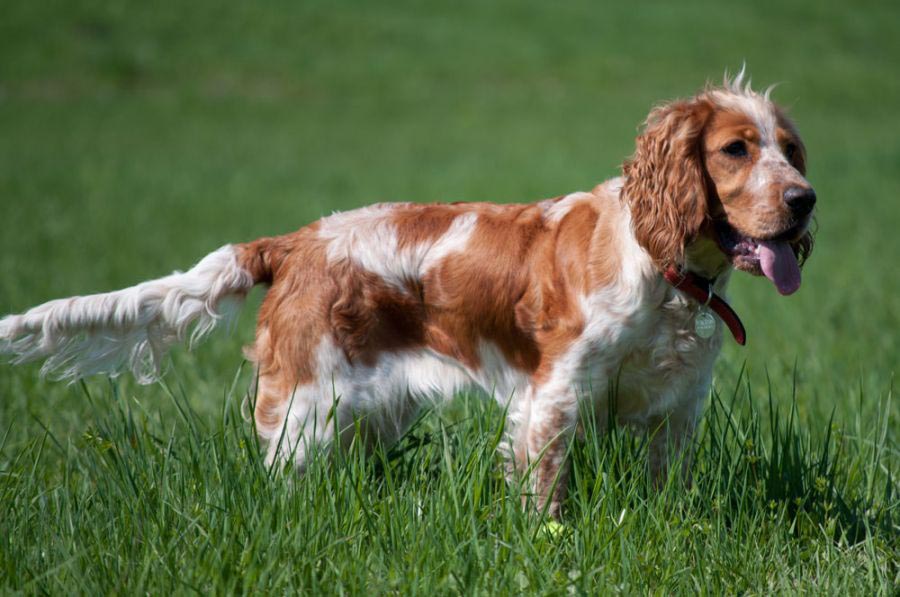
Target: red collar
699	289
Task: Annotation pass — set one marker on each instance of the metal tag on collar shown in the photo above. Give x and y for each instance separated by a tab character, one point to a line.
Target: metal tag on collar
705	321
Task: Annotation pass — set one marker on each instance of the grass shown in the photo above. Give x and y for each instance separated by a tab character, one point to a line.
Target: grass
136	138
149	502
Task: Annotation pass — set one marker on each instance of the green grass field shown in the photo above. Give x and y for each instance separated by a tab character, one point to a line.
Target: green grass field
137	137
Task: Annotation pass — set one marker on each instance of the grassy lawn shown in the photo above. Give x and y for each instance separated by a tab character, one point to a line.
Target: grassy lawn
137	137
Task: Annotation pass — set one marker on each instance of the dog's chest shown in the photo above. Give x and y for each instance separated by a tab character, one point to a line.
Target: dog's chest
656	358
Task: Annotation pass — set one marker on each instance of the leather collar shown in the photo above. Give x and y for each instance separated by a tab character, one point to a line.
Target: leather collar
700	289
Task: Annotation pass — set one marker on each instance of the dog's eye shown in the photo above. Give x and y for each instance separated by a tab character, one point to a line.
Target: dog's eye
789	150
736	149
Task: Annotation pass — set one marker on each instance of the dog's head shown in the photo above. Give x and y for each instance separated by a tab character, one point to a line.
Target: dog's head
720	179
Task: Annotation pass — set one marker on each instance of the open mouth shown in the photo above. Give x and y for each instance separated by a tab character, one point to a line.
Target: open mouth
774	258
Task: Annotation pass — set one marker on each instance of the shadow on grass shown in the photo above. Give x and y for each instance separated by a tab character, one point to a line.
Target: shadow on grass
747	465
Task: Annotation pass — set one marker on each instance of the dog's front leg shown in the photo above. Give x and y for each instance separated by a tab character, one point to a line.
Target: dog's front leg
540	445
670	443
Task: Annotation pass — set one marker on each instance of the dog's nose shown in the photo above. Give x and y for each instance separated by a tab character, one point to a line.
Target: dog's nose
801	200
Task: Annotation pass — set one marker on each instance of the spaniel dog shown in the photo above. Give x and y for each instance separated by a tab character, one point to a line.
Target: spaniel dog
545	305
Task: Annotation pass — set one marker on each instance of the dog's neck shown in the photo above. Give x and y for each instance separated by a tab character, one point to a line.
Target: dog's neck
704	258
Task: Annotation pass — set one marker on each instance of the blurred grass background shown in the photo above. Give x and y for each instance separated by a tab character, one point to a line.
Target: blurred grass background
137	137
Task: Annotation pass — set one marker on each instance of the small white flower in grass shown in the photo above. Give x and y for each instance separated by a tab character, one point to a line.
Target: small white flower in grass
573	575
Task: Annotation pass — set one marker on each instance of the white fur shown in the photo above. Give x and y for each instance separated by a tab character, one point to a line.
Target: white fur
555	211
738	95
368	238
772	164
383	398
453	241
127	329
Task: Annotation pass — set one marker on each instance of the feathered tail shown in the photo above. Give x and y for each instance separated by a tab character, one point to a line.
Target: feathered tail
131	329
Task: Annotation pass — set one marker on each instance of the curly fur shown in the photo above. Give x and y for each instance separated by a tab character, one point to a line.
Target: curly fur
665	185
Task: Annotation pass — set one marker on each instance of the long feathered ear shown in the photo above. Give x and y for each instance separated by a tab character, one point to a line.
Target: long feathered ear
665	186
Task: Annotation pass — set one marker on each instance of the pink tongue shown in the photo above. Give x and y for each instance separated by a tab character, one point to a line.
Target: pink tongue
780	265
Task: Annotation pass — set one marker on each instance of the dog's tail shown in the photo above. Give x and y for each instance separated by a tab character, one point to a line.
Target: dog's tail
133	329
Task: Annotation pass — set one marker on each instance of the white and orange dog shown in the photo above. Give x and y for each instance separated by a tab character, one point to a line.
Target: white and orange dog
370	313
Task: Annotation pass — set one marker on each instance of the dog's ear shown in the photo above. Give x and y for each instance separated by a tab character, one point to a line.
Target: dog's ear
665	185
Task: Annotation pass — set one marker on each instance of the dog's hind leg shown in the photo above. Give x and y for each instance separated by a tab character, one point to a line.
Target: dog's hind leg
343	403
293	424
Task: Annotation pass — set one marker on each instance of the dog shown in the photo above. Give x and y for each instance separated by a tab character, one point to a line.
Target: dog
372	312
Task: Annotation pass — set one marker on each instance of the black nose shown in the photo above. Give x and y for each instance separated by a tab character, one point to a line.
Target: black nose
801	200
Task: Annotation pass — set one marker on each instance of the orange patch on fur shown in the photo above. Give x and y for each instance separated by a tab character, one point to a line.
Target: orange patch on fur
417	224
516	286
293	316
